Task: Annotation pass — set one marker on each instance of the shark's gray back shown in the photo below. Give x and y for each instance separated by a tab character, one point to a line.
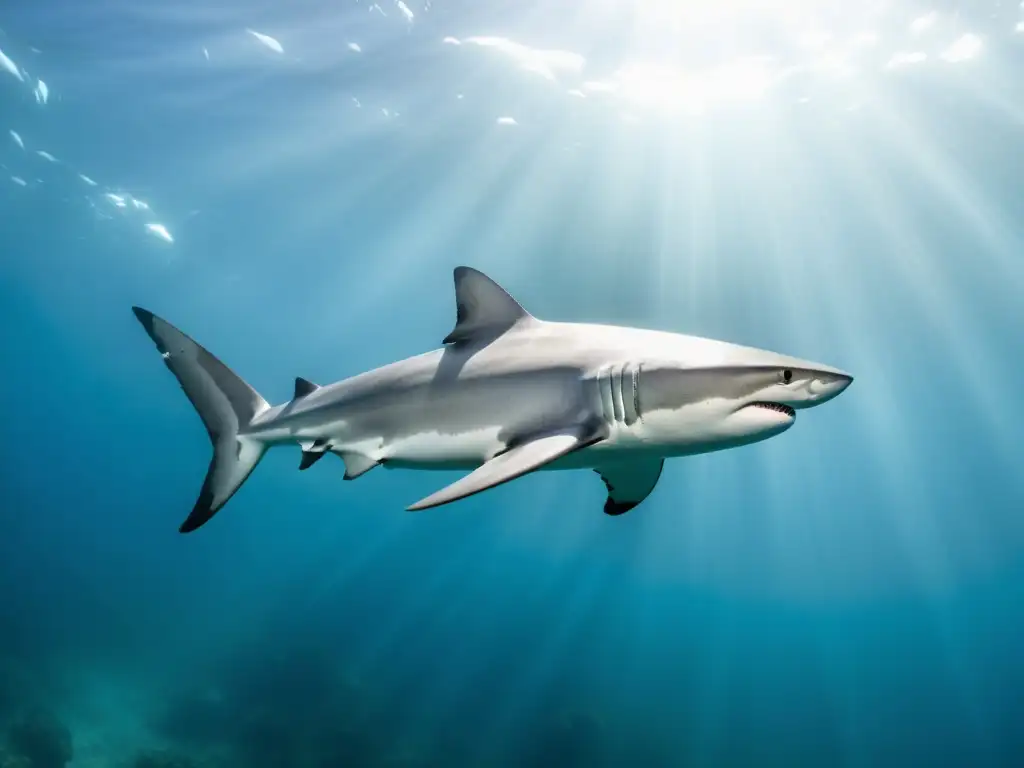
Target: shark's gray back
516	381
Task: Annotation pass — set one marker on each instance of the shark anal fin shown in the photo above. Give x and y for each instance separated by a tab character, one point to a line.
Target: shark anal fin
357	464
629	483
303	387
515	462
483	308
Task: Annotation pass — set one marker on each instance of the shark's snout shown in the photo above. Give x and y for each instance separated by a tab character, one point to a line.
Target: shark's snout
827	386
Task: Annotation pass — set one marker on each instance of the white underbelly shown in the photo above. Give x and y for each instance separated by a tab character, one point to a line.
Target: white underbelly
468	450
439	450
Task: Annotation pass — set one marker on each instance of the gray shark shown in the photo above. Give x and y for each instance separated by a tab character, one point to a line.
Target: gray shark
507	394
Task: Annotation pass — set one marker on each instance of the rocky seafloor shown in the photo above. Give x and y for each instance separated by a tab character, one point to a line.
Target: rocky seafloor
292	710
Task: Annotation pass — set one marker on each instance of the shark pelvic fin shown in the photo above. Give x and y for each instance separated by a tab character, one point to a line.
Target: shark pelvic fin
484	309
303	387
357	464
524	457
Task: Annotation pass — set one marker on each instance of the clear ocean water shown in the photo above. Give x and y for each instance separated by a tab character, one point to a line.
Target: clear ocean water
293	183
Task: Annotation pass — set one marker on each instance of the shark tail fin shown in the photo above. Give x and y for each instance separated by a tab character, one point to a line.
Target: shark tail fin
225	403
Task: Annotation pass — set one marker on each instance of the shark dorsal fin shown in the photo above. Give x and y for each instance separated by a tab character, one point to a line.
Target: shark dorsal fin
303	387
484	309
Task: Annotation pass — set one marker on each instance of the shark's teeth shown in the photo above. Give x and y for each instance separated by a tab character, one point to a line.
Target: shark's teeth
776	407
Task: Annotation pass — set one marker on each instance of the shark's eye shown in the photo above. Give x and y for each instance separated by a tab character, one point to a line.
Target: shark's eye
787	375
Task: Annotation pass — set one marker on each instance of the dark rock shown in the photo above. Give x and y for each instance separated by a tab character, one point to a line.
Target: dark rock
574	739
40	738
163	758
7	760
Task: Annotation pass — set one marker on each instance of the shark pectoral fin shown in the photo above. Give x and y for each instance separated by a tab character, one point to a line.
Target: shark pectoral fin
506	466
357	464
483	308
629	483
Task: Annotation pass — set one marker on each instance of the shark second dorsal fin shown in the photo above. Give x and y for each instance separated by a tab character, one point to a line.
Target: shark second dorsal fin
484	309
303	387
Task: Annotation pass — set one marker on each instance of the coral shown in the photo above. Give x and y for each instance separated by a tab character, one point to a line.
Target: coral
40	738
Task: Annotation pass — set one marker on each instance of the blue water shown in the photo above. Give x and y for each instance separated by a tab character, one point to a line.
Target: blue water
848	593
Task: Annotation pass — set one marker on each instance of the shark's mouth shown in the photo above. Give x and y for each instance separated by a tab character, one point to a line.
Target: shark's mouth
779	407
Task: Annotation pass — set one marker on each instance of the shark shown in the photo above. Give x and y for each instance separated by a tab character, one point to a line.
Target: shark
505	395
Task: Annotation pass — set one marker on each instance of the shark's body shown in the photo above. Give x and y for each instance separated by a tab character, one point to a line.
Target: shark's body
507	395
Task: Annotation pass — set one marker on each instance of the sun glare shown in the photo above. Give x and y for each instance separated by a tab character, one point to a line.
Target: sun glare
662	87
694	57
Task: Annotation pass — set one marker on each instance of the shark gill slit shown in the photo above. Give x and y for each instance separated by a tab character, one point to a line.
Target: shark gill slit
617	395
629	398
636	391
604	383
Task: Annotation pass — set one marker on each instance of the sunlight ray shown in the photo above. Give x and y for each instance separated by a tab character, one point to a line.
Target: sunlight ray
712	686
403	620
831	270
580	597
435	224
344	561
682	253
945	311
996	95
896	468
965	200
